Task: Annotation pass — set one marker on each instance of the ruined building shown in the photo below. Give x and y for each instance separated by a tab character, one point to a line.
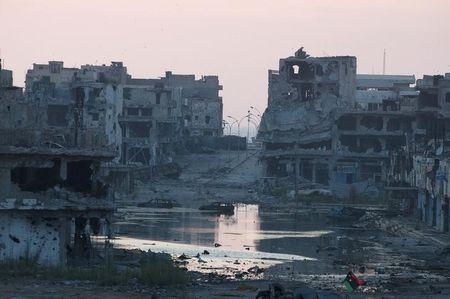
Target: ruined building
52	198
377	92
201	104
419	172
81	106
325	124
161	114
144	120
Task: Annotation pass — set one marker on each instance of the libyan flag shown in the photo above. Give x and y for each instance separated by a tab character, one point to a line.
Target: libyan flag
351	282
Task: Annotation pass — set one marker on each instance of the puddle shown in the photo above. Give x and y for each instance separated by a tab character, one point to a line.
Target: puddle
247	238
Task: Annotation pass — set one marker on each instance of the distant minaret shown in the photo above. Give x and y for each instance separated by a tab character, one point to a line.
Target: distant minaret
384	62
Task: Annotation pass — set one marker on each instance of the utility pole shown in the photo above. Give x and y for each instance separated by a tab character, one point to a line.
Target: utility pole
248	130
384	62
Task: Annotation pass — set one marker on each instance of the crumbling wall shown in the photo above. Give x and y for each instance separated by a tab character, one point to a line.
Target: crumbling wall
305	93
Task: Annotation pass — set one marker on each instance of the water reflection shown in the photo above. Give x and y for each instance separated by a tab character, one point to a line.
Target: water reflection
249	230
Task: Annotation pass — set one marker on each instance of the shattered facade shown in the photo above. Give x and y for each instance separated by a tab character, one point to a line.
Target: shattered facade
201	104
52	197
418	176
81	105
325	124
382	92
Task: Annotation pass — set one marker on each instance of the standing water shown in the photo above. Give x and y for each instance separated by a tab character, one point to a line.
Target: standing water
250	236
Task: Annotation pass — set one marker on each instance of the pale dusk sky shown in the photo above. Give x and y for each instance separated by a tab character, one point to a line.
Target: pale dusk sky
236	40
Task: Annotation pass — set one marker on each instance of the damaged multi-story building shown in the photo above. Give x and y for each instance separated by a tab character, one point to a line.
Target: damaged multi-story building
325	124
81	105
144	120
160	115
418	177
52	197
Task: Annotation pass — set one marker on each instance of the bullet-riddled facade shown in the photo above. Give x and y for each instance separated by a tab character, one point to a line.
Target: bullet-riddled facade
325	124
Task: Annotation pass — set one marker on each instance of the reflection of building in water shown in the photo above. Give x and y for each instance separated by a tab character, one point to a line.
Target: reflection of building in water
239	230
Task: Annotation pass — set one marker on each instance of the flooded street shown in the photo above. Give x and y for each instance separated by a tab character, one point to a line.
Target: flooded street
249	236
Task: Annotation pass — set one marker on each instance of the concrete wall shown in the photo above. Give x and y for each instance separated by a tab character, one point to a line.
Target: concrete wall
33	237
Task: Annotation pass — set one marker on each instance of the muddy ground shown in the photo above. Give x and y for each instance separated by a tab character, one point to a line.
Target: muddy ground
398	257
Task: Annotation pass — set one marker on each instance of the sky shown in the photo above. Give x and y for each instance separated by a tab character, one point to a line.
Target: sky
238	40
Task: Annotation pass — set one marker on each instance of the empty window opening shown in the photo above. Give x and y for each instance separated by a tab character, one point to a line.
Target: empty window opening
322	174
35	179
306	170
207	119
372	122
133	111
349	141
427	99
79	176
393	124
370	144
302	71
127	93
346	123
139	129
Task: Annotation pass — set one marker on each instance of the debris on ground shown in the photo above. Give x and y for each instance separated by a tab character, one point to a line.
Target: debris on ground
184	257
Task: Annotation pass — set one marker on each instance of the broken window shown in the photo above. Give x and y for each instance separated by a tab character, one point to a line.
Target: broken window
301	71
393	124
57	115
35	179
372	122
427	99
319	70
349	141
79	176
306	92
139	129
127	93
373	106
133	111
322	173
346	123
306	169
